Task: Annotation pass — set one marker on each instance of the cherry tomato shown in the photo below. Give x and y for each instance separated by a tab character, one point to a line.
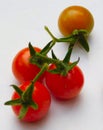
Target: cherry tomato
22	69
40	96
75	17
65	87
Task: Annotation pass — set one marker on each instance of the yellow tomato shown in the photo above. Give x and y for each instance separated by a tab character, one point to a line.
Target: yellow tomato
75	17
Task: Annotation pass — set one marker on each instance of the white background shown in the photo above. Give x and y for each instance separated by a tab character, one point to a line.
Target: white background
22	21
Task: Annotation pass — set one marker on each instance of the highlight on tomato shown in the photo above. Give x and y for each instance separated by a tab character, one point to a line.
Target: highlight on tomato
75	17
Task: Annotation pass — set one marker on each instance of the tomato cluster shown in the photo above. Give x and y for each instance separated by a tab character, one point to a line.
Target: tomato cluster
38	73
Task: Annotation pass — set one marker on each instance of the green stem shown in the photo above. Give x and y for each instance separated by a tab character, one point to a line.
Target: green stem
68	55
53	37
77	35
70	51
69	38
43	69
27	94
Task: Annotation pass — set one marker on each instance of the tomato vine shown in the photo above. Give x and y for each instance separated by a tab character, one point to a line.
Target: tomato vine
63	77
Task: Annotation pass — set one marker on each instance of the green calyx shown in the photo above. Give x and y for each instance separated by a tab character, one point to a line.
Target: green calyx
25	100
62	66
40	58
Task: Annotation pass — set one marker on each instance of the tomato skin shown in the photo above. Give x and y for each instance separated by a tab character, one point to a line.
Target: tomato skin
65	87
41	96
75	17
22	69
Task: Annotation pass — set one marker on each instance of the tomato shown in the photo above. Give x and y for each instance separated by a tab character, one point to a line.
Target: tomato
22	69
75	17
65	87
40	96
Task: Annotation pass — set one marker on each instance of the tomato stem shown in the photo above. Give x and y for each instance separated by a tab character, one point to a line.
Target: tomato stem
43	69
69	38
77	35
68	55
53	37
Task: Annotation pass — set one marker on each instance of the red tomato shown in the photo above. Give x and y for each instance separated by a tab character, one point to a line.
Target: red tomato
65	87
22	69
75	17
40	96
